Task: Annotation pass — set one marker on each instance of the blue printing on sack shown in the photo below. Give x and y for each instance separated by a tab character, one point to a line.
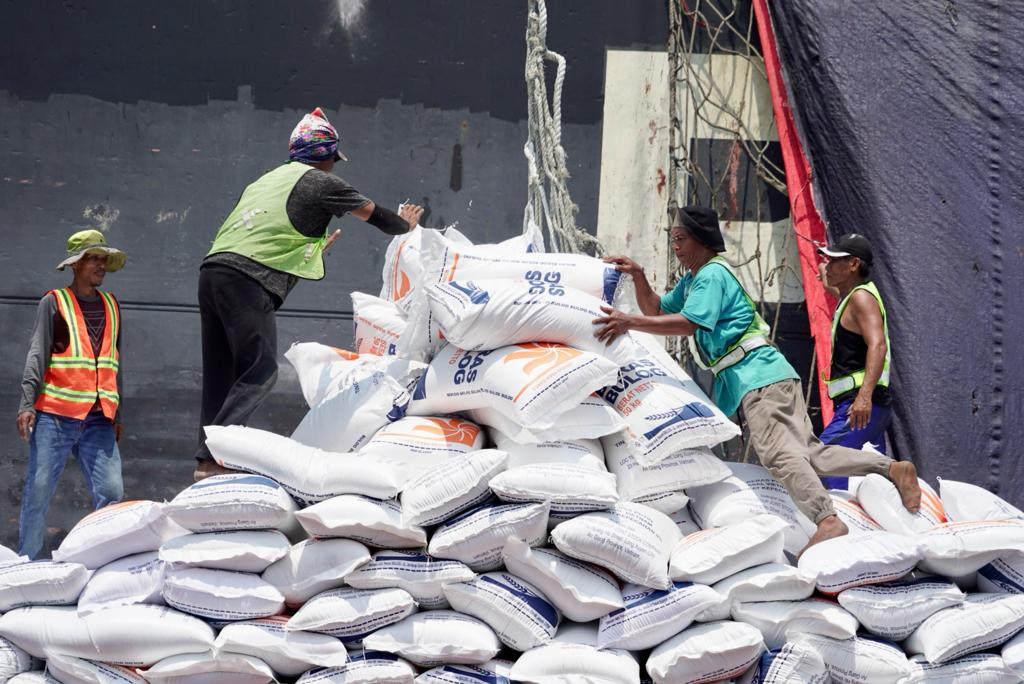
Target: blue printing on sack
545	609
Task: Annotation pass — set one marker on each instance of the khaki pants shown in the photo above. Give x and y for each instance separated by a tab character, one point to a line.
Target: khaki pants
782	436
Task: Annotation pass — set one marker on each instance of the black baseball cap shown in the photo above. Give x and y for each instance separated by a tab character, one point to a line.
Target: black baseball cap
851	244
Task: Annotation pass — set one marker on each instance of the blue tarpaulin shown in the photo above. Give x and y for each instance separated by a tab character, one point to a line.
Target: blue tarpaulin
910	114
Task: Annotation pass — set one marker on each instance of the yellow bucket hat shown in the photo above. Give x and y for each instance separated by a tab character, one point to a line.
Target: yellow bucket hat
92	242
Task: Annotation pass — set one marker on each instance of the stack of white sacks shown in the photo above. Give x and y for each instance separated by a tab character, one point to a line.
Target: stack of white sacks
481	493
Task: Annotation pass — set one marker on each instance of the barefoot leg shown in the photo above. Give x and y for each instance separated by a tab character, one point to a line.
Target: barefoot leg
829	528
904	475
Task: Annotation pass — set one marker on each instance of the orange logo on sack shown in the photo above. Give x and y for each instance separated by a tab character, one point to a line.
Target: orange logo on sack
448	430
541	356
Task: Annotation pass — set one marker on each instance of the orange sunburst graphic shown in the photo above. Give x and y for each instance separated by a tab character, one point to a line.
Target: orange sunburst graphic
447	430
543	358
346	354
404	286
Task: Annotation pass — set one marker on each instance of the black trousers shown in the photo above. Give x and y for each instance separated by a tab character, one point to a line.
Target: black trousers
239	348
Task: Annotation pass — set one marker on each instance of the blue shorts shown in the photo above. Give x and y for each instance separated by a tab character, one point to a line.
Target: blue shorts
838	430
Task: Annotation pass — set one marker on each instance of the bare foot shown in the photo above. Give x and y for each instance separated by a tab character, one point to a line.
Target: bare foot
829	528
206	468
904	475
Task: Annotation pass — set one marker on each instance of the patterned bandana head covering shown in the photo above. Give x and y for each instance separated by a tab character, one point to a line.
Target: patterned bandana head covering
314	139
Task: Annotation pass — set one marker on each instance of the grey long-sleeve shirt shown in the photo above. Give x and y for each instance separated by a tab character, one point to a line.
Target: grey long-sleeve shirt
41	346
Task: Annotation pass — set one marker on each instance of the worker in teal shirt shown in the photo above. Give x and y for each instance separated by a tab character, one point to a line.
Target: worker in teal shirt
730	338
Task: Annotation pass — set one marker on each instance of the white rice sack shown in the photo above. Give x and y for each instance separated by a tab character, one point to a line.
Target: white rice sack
207	668
573	656
34	677
417	444
363	667
684	521
661	485
309	474
870	558
665	410
977	668
710	652
1004	575
593	418
234	502
792	664
956	549
486	313
491	672
778	621
552	271
965	502
287	652
631	540
892	611
1013	654
981	622
127	635
116	531
241	551
347	419
377	325
650	616
313	566
458	483
350	614
532	383
521	616
750	491
13	660
376	522
586	453
417	573
221	594
7	555
437	637
852	513
477	536
126	581
324	371
582	592
71	670
768	582
403	272
859	660
880	498
714	554
568	488
40	583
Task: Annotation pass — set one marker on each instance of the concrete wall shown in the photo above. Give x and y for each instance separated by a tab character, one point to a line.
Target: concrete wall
147	120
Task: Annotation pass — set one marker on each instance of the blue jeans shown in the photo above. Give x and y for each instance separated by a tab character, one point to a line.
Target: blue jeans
838	430
54	438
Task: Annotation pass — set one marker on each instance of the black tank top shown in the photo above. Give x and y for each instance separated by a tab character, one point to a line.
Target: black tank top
850	354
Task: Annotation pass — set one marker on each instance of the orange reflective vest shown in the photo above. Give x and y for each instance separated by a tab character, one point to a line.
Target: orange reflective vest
77	377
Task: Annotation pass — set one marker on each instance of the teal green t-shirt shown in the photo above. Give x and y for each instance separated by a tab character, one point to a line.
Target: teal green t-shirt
713	300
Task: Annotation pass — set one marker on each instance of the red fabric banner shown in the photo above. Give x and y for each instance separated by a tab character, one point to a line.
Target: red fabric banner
806	221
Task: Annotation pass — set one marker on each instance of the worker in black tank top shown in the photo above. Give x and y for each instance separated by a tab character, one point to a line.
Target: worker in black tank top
858	381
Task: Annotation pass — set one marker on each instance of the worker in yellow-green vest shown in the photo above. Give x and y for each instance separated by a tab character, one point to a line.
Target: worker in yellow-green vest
858	380
751	376
275	235
70	390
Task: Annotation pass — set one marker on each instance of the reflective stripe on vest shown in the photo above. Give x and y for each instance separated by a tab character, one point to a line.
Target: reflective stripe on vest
756	335
77	378
851	381
259	228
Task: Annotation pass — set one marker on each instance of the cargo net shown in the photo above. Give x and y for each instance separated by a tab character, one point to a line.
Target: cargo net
548	202
720	151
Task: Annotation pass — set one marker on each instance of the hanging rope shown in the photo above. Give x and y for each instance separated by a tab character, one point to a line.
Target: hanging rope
548	202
